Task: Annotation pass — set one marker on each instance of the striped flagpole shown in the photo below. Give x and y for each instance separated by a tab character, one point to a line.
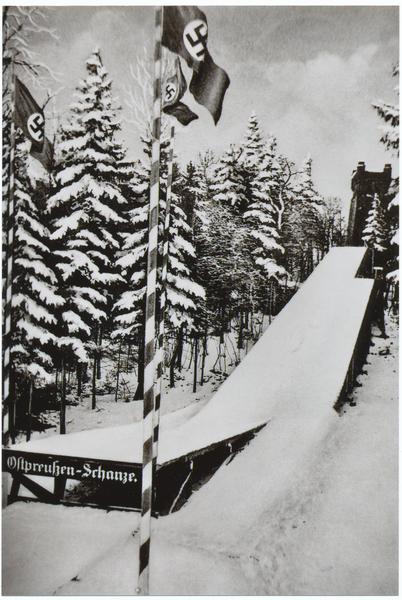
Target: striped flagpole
163	302
150	370
8	399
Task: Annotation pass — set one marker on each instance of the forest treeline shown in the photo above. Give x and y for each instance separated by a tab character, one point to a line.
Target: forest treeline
246	229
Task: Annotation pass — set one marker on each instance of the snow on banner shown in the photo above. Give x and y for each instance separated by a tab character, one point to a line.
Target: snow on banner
185	32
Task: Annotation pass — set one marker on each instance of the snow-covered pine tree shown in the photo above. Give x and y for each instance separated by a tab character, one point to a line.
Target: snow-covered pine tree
266	181
183	292
261	218
230	189
254	145
276	179
193	189
184	295
196	191
392	255
129	308
390	115
375	230
22	27
229	186
252	152
35	289
86	209
390	138
265	170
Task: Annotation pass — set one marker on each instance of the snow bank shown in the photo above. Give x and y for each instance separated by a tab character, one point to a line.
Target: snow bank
44	546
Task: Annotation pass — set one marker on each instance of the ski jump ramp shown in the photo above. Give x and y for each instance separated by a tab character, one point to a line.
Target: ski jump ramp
301	360
299	365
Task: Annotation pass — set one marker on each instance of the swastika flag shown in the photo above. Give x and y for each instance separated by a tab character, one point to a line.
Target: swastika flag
173	91
29	116
185	32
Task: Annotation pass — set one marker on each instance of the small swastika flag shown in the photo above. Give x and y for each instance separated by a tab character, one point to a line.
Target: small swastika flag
173	91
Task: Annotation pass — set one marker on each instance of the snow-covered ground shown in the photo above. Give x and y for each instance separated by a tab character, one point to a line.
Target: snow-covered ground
327	526
319	505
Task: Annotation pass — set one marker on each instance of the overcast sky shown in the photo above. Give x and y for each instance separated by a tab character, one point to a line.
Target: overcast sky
309	72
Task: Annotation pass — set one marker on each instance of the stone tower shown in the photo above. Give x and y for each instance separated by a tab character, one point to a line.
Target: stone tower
364	185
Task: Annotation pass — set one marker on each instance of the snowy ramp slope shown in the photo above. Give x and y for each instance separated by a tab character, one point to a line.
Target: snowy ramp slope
301	360
295	374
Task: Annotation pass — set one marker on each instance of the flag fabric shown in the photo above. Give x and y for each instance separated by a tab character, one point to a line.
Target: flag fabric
185	32
209	86
173	91
29	116
182	113
45	156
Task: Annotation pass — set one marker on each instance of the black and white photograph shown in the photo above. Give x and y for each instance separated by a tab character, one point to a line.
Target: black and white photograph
200	304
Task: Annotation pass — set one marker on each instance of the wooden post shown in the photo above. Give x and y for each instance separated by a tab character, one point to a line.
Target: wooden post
94	381
158	391
9	400
99	353
29	428
195	364
118	370
150	370
204	352
63	398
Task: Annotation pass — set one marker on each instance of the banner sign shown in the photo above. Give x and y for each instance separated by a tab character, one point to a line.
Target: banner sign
120	475
72	467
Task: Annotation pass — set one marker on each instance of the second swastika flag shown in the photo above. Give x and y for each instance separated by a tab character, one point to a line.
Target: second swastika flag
173	91
29	116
